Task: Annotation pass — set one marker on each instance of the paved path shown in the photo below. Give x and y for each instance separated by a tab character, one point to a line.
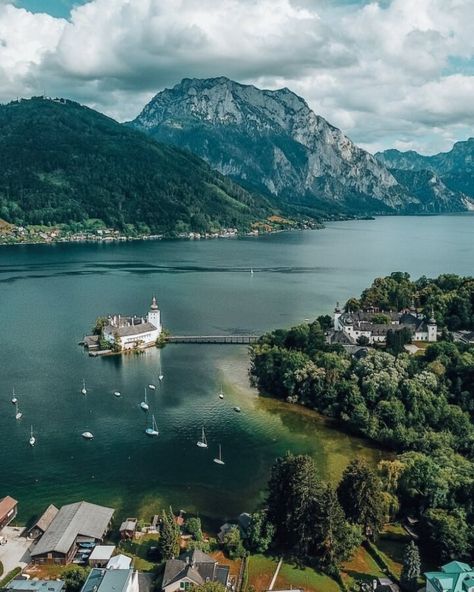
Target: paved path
275	575
15	553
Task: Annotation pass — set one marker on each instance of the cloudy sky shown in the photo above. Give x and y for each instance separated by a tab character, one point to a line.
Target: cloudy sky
389	73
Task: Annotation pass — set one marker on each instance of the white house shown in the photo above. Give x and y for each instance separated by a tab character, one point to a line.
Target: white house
134	331
350	326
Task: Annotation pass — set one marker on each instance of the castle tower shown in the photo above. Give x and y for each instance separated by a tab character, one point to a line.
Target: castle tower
337	316
432	328
154	315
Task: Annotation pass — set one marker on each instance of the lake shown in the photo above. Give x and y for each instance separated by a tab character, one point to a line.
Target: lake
50	296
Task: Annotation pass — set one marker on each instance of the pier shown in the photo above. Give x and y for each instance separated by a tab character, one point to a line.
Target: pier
218	339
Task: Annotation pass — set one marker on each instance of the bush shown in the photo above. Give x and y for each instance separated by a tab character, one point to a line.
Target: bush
10	575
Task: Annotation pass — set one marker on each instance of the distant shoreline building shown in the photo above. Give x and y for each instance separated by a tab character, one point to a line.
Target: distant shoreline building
351	325
134	331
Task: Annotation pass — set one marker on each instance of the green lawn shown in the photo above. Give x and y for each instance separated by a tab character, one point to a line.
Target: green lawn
391	544
139	550
260	571
310	580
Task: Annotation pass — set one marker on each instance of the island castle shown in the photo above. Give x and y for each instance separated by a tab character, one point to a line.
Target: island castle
349	326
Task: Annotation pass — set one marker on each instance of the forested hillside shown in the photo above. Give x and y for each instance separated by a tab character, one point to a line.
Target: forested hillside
62	162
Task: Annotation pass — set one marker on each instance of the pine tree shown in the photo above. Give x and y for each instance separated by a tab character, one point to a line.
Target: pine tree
168	543
361	498
293	489
411	567
334	538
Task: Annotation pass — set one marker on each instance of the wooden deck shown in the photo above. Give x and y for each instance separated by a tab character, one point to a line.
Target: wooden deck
217	339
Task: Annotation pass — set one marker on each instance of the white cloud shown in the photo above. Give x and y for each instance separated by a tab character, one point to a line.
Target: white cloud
381	72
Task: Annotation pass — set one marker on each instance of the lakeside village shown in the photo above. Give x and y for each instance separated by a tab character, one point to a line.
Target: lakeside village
77	548
95	230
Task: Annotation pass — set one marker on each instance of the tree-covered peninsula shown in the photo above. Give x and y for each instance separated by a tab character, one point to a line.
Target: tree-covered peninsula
420	406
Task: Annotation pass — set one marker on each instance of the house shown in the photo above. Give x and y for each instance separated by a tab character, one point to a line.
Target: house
119	562
193	568
111	580
101	555
133	331
350	326
74	524
43	522
453	577
128	528
8	511
35	586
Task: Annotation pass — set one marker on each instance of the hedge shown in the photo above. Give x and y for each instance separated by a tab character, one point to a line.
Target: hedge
10	575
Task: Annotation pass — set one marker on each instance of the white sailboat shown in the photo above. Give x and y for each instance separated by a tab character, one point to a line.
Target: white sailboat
117	394
221	393
202	443
18	413
87	435
153	431
219	460
152	387
14	397
83	389
32	440
144	404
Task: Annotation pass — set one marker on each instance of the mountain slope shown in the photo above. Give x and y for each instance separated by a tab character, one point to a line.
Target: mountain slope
272	141
455	168
62	162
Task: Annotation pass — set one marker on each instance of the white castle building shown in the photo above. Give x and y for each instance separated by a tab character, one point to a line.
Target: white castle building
349	326
135	331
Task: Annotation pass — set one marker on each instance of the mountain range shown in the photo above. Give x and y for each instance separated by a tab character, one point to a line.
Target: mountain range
209	154
273	143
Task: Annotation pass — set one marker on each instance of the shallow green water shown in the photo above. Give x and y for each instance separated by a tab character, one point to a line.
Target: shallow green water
50	295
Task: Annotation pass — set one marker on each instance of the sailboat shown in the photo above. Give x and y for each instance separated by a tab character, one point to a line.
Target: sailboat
221	393
117	394
18	414
202	443
219	460
251	271
152	387
14	397
160	375
153	431
144	404
87	435
83	389
32	440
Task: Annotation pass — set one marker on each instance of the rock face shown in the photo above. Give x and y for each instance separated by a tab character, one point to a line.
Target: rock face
272	142
455	168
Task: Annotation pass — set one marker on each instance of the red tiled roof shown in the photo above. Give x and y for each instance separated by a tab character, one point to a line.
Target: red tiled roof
6	505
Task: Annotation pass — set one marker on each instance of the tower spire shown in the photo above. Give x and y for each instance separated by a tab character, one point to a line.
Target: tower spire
154	304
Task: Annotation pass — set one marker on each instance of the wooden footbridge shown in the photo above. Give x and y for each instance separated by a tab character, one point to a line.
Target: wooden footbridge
217	339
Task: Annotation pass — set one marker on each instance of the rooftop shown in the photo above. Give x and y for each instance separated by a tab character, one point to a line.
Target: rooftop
6	505
46	518
81	518
102	553
35	585
103	580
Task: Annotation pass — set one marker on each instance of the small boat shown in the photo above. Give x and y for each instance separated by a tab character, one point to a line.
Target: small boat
153	431
18	413
88	435
152	387
219	460
221	393
237	409
117	394
160	375
202	443
144	404
32	440
251	271
83	389
14	397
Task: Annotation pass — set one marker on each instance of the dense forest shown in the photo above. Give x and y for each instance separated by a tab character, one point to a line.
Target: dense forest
421	406
64	163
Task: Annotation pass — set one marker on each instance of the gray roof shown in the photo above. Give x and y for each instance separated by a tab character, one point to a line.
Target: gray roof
46	518
128	330
197	566
35	585
104	580
81	518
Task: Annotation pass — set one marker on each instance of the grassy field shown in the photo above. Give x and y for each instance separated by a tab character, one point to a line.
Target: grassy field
310	580
260	571
361	568
391	544
140	550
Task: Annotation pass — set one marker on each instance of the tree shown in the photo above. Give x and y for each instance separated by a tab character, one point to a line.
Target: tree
448	533
411	567
117	345
293	488
363	340
232	543
334	538
260	532
193	527
100	323
74	578
361	497
168	543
